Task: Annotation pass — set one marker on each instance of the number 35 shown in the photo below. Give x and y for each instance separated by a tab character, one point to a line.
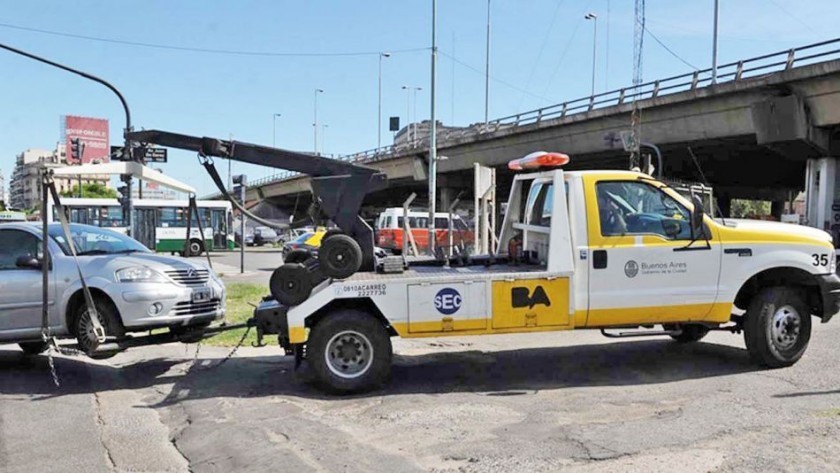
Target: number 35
820	260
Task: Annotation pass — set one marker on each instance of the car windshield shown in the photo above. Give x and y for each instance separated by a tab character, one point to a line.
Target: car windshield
96	241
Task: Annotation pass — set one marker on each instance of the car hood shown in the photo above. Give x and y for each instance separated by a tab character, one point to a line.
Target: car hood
770	229
152	260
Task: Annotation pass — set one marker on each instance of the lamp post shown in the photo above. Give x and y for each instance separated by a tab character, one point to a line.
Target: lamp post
487	70
433	136
315	124
324	138
408	89
274	130
594	18
379	114
715	45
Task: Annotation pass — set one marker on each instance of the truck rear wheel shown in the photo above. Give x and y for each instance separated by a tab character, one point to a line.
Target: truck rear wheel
349	351
777	327
290	284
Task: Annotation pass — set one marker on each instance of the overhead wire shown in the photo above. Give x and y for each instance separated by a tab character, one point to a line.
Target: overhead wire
493	78
232	52
664	46
566	48
542	48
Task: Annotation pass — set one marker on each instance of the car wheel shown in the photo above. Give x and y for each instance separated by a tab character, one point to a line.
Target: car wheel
33	348
689	332
83	326
290	284
340	256
349	351
777	327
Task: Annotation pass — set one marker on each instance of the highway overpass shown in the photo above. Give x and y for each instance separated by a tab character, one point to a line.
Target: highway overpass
751	132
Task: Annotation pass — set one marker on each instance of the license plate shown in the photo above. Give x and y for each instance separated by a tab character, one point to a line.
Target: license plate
201	295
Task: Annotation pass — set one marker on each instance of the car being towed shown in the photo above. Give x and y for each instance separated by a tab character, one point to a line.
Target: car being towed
133	288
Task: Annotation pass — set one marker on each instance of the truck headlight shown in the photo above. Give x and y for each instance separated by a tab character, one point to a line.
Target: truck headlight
139	274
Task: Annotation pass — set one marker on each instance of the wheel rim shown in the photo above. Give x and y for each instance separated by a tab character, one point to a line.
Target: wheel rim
340	257
785	327
87	336
349	354
195	248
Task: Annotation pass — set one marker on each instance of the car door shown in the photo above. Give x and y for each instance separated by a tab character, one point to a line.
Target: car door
20	288
644	265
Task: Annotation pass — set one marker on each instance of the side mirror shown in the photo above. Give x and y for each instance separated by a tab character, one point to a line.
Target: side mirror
28	262
697	217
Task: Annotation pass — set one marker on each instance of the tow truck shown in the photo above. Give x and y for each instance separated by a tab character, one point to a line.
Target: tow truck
617	251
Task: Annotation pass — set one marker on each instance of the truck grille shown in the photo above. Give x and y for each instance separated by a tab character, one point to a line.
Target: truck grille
189	277
199	308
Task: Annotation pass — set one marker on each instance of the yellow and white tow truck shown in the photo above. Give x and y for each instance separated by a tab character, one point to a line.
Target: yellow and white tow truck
582	250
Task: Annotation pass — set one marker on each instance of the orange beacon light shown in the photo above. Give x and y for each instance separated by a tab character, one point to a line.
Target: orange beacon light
539	159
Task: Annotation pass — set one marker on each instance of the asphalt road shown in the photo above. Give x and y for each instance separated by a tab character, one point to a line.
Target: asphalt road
513	403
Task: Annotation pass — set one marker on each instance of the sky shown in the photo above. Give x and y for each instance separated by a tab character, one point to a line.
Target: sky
224	69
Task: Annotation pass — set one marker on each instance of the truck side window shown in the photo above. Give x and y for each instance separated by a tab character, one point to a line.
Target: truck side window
540	202
637	208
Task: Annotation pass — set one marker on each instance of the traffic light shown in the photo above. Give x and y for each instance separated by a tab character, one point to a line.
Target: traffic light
125	194
240	179
124	199
75	150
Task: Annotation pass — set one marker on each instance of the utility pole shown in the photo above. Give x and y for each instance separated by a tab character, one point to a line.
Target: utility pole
274	129
487	71
594	18
315	125
412	126
433	137
715	45
379	114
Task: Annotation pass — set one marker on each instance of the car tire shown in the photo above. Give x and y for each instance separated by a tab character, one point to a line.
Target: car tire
298	255
777	327
349	351
340	256
33	348
689	332
290	284
108	317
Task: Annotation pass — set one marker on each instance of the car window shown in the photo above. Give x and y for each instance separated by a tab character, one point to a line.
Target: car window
17	243
636	208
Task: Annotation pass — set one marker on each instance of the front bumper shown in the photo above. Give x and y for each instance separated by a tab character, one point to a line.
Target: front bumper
830	294
175	305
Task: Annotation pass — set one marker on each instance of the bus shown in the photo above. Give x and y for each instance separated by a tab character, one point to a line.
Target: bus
159	224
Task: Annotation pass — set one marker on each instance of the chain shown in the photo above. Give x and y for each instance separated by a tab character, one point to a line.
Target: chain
233	352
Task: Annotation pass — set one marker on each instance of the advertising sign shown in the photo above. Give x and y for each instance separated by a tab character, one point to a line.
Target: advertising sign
92	133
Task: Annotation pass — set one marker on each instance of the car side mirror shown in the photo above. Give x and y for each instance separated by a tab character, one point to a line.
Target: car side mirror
697	217
28	262
671	227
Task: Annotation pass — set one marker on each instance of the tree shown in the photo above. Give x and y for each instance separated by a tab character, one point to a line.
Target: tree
92	190
742	208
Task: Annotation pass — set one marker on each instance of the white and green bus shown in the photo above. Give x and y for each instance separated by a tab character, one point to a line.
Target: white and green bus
161	225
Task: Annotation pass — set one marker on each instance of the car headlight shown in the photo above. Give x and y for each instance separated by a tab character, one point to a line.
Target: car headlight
139	274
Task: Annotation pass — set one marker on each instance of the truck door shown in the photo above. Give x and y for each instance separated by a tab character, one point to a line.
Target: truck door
643	267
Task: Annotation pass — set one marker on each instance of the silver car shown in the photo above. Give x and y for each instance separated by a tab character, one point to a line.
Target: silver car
134	289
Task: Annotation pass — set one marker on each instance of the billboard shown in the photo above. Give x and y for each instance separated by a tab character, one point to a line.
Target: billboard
93	133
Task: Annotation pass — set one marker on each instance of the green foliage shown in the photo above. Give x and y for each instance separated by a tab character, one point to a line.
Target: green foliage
91	191
742	208
240	296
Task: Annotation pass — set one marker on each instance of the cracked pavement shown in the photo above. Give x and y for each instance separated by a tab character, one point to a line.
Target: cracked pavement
529	403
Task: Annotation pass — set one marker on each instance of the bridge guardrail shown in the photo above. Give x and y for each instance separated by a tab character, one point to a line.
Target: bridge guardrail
733	71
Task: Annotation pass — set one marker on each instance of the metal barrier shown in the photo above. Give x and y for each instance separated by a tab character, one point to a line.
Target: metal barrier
732	72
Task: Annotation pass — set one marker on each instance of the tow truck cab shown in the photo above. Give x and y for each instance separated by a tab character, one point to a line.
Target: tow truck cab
588	249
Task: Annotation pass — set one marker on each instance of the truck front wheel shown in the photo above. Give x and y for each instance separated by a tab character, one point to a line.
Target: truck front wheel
777	327
349	351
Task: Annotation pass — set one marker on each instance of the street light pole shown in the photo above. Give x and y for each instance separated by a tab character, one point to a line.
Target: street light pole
407	112
433	137
594	18
315	125
274	129
487	70
324	138
379	114
408	107
414	107
715	46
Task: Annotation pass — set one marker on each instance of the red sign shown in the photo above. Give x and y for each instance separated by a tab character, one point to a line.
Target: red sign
92	133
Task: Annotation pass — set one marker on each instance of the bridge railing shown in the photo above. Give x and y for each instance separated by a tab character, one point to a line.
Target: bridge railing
731	72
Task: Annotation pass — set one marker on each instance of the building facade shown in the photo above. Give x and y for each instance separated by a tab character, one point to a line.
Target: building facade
25	183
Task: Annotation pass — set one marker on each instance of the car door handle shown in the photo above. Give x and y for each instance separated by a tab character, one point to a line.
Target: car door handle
599	259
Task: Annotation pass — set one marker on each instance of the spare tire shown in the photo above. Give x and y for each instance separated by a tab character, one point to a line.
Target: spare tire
290	284
340	256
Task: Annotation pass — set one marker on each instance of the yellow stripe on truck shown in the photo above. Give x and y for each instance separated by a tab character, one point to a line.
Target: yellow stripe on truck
719	313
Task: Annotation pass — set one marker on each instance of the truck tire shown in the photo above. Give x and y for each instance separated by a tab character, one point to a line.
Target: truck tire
340	256
690	332
290	284
777	327
83	328
33	348
298	255
349	352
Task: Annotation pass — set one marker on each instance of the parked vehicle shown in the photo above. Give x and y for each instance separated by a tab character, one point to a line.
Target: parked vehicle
133	288
390	230
608	250
310	241
262	236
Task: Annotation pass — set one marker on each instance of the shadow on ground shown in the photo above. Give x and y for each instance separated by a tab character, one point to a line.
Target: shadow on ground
495	373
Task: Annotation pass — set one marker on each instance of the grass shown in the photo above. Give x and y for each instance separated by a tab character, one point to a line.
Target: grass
240	296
